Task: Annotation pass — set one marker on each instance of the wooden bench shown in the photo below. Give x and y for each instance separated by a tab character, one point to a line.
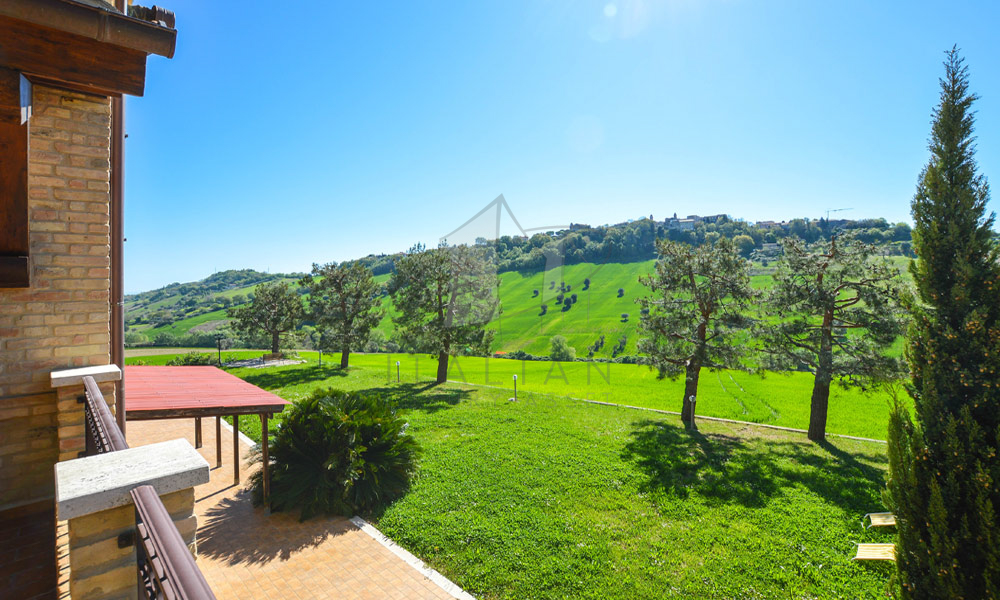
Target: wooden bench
881	519
876	552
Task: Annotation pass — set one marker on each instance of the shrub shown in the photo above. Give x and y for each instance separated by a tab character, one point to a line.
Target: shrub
192	359
522	355
573	298
595	347
560	298
566	305
338	453
624	317
620	346
586	284
561	350
134	338
621	292
545	307
534	293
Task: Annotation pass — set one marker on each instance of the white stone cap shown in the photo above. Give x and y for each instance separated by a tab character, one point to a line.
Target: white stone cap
75	376
95	483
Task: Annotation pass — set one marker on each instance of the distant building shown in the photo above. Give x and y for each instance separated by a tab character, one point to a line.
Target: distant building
721	218
768	224
680	224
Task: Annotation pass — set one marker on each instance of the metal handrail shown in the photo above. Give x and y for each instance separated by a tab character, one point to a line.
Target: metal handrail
167	569
105	436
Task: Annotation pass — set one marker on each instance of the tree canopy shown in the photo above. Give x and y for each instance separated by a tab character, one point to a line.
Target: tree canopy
345	305
445	298
696	312
276	309
835	310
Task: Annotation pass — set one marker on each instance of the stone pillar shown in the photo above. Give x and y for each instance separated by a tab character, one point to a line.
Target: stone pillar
70	419
92	496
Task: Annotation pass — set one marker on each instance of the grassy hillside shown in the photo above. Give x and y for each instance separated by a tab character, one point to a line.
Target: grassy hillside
522	325
598	310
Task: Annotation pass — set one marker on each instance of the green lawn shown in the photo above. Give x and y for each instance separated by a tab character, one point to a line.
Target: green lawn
778	399
550	497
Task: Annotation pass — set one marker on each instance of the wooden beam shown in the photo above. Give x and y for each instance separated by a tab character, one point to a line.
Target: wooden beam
236	449
267	473
211	411
79	62
218	442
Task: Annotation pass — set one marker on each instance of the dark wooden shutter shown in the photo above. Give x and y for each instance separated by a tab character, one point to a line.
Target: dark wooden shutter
15	109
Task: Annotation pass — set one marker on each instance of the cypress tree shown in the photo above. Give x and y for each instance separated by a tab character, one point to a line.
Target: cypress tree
944	472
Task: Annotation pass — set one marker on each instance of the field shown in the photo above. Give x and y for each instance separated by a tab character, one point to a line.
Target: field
549	497
781	400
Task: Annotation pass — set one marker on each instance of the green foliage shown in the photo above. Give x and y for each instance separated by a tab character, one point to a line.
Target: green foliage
345	304
744	245
445	298
944	483
837	310
338	453
561	350
193	359
276	309
552	498
696	312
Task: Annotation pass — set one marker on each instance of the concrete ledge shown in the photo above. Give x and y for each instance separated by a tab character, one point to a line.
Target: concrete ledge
95	483
75	376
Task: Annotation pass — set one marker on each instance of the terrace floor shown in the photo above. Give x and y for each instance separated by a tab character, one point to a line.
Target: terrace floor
28	562
246	553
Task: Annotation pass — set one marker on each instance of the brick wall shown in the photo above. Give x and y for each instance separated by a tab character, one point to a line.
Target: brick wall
62	320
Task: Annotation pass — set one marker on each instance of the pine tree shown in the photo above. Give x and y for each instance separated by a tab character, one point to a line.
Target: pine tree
834	309
696	314
944	472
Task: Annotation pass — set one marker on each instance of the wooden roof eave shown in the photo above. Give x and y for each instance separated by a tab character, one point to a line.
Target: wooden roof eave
94	23
79	47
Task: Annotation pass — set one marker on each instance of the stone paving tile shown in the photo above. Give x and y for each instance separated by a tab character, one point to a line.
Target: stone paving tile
246	553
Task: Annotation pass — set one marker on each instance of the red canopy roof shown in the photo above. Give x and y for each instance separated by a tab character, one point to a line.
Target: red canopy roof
152	392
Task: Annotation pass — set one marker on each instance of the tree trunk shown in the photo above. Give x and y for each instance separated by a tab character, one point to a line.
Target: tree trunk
690	389
344	356
275	342
442	375
821	386
818	408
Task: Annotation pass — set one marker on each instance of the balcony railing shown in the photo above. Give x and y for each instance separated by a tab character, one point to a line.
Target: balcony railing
166	568
103	434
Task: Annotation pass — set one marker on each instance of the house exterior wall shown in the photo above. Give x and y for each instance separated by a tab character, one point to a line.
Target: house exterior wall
63	320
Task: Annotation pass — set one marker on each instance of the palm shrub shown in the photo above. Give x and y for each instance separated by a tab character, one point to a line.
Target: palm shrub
338	453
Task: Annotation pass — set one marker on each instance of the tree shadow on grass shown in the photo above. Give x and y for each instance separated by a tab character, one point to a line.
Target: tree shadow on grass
725	469
278	378
424	396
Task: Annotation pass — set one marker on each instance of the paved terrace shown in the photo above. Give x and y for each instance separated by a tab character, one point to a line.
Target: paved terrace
246	553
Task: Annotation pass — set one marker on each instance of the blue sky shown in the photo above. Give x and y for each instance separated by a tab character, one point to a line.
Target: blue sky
276	138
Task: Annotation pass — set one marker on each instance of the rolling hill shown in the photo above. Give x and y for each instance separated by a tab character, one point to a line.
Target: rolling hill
184	310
